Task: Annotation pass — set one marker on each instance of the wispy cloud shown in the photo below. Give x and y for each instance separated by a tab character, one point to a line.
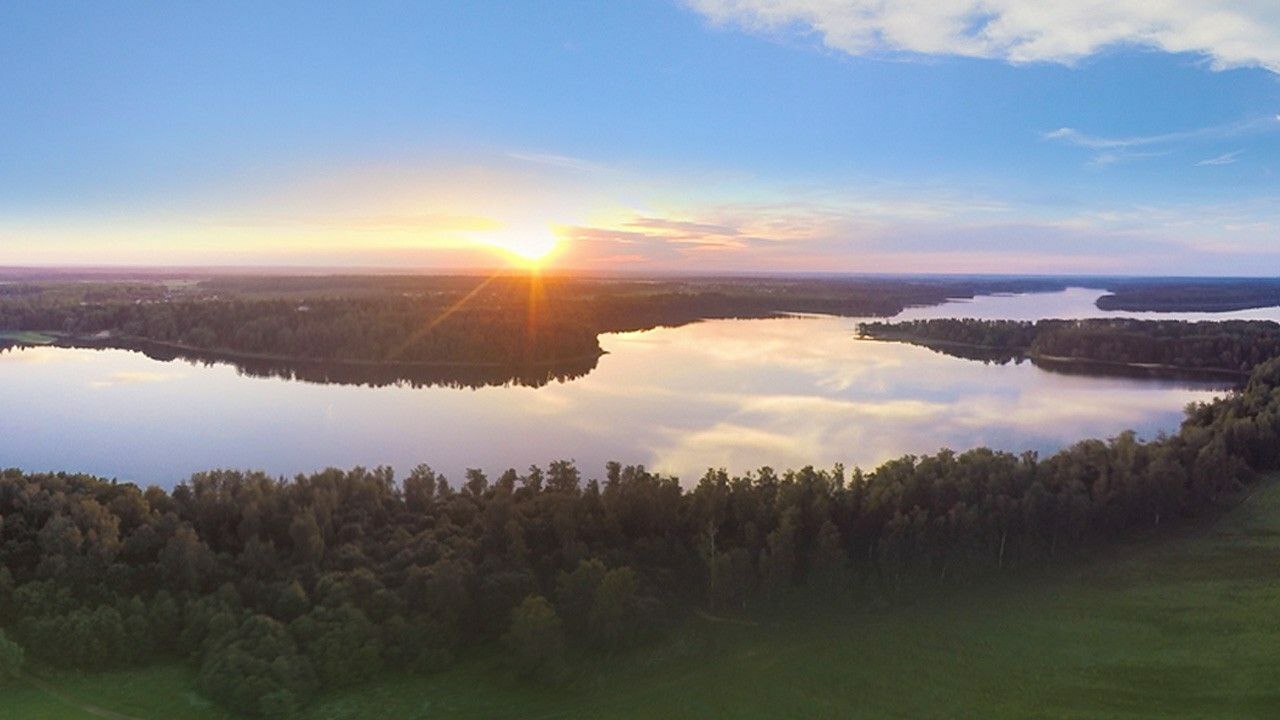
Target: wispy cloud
758	231
1114	157
647	238
696	221
557	161
1230	33
1115	149
868	232
1213	132
1223	159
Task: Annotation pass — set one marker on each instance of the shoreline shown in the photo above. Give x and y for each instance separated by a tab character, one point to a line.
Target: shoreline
233	356
1023	354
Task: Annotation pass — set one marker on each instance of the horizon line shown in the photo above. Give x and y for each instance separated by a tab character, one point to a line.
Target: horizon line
389	271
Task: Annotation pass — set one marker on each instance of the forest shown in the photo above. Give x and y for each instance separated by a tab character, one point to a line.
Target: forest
381	330
527	329
449	329
275	588
1190	294
1235	346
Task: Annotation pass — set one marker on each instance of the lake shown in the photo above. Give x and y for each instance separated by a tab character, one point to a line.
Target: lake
738	394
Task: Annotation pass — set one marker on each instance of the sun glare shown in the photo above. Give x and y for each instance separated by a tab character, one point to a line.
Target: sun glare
527	246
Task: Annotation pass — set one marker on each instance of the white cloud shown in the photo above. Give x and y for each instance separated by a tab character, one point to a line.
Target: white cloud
1230	33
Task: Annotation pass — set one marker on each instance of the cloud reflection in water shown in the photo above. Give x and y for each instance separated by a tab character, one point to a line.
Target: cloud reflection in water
738	394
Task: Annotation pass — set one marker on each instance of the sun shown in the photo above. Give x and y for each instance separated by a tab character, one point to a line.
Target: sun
527	246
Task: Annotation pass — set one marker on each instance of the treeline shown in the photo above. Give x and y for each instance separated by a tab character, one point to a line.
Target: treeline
852	295
384	330
1234	345
275	589
82	291
519	323
1191	294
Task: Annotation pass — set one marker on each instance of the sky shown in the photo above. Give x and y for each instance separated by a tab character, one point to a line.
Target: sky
1002	136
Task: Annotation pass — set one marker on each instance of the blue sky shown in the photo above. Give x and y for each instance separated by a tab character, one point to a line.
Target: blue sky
988	135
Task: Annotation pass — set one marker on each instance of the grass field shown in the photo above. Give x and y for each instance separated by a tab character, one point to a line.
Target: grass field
1181	627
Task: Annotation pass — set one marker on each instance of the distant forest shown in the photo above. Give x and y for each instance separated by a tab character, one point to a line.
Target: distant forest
463	331
507	328
1233	346
275	589
1190	294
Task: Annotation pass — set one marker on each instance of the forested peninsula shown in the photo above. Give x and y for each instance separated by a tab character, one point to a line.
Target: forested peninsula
1232	347
273	589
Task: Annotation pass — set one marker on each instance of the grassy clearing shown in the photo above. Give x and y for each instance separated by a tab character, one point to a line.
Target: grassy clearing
159	693
1184	627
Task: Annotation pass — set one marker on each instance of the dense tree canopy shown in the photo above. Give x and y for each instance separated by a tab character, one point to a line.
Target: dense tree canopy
535	640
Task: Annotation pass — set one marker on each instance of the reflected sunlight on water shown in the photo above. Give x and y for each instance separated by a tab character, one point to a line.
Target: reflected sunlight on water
734	393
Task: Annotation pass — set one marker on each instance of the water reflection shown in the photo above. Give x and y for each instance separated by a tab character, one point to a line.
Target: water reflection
414	375
1070	304
790	392
1225	379
733	393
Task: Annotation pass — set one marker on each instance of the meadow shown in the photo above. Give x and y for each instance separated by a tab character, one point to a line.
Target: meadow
1179	624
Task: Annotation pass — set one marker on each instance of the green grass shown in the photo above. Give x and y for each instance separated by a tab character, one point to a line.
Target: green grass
163	692
25	336
1184	626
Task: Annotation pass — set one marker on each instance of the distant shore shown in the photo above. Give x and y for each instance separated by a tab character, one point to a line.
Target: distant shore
1059	361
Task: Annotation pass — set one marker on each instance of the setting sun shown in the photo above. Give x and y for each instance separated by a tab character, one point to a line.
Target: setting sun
526	245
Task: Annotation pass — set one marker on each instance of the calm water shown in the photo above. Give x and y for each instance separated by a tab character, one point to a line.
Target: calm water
738	394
